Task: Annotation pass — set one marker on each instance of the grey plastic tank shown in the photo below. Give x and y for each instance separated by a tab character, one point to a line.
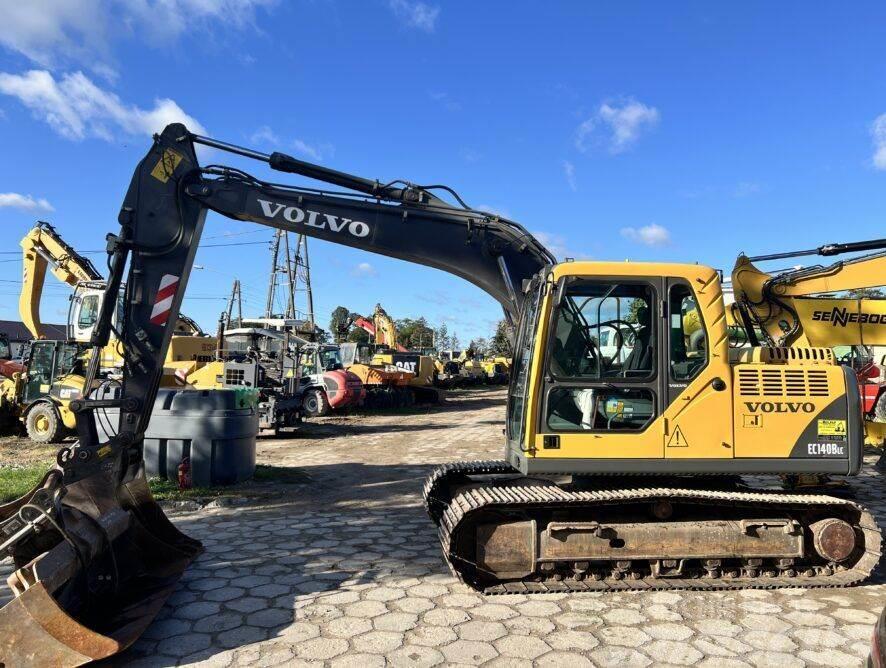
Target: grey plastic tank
216	429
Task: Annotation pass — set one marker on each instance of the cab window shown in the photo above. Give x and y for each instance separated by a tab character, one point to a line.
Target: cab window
688	338
307	363
523	351
604	331
88	311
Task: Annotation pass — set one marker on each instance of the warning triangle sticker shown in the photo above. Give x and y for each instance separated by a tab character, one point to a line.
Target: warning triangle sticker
677	439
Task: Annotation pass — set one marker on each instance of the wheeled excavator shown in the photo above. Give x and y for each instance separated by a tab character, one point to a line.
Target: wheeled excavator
52	376
618	472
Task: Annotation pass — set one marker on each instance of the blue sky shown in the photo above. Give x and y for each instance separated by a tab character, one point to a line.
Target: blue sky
657	131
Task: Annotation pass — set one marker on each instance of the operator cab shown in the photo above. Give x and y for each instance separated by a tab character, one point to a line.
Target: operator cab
617	350
84	310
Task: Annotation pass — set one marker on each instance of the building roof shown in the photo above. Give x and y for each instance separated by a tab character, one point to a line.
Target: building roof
17	332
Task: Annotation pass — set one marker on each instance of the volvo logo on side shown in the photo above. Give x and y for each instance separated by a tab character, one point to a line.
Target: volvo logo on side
780	406
316	219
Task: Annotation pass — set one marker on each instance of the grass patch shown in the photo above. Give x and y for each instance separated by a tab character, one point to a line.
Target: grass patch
164	490
14	482
286	475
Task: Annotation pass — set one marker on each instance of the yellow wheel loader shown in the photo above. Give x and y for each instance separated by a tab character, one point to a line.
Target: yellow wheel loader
621	469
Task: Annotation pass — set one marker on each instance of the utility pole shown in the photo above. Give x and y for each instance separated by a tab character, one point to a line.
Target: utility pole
272	280
235	296
297	270
303	272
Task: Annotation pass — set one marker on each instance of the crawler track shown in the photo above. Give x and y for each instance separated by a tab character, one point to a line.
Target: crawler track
455	503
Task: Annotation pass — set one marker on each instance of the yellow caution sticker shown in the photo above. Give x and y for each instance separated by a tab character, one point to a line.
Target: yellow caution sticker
752	421
677	440
832	428
166	165
104	451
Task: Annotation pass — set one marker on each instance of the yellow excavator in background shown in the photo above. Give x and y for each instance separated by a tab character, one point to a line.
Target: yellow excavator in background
39	396
387	353
621	469
809	307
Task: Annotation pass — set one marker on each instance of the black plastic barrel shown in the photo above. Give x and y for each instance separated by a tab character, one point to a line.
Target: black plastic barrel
215	430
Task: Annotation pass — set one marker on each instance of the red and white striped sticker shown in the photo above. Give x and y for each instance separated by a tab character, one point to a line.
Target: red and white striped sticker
163	300
181	377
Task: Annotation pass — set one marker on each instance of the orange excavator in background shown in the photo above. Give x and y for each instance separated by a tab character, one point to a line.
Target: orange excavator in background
386	352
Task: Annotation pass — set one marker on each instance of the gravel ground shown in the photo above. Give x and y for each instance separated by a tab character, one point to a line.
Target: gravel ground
345	570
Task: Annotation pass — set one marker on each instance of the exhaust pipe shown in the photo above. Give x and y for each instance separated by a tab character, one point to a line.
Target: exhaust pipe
95	561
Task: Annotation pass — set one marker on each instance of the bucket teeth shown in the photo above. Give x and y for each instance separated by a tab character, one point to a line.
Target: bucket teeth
90	593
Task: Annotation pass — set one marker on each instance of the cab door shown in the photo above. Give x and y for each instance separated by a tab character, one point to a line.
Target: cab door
698	398
603	388
41	370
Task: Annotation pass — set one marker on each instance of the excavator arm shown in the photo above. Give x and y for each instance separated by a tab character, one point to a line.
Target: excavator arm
384	324
42	249
787	307
93	550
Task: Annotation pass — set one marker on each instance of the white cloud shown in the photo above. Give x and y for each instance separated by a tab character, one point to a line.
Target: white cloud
24	202
650	235
414	14
264	135
364	270
444	99
624	123
316	152
878	131
49	30
746	189
76	108
56	33
470	155
569	172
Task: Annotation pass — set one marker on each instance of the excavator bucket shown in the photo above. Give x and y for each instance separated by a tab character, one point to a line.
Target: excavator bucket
99	561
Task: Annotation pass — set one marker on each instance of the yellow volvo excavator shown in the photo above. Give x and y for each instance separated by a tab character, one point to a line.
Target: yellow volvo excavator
619	469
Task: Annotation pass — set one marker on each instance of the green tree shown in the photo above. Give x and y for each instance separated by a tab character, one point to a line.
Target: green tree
442	340
479	346
358	335
866	293
414	334
500	346
340	323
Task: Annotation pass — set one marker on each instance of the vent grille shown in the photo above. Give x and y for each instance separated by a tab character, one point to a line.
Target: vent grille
783	382
235	377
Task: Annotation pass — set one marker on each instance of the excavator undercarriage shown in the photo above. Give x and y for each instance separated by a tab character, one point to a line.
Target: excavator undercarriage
504	533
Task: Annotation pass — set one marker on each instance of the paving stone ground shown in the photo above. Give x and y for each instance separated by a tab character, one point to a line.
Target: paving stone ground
346	571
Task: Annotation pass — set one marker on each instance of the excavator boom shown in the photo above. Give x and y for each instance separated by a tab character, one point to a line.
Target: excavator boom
42	249
788	307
